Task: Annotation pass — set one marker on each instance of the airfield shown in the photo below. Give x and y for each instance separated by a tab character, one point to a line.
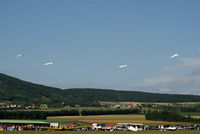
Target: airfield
109	120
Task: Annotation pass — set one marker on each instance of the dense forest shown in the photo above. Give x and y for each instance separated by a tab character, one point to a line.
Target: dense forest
13	90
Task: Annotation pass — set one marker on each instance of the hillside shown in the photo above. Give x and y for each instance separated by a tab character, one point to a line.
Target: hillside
17	91
13	90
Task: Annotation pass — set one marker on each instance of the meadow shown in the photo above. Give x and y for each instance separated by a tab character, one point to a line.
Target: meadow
114	119
103	132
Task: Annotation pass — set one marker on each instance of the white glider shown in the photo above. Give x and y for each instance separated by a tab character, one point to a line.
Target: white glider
123	66
48	63
175	55
19	55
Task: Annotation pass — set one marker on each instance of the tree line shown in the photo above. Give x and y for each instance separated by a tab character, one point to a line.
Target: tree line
111	111
5	114
169	116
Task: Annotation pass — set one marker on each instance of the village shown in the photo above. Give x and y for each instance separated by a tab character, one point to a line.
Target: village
21	106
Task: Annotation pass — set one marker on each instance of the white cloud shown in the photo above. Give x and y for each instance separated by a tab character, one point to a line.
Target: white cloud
184	63
184	77
167	84
153	81
165	90
190	62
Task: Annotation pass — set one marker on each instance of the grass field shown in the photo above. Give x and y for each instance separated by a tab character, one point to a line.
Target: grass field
157	103
113	119
103	132
134	103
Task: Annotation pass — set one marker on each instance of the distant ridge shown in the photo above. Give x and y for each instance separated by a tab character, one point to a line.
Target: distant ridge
13	90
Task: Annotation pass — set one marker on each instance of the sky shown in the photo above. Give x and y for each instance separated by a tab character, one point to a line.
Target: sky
87	41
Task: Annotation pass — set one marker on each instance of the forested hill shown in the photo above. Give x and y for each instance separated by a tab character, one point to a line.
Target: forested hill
13	90
127	96
21	92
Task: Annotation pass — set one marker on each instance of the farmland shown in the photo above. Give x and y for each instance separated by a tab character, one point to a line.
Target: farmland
113	119
103	132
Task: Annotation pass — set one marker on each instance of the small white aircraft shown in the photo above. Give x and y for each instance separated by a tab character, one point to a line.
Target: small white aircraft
104	127
172	128
19	55
175	55
123	66
169	128
96	126
48	63
130	126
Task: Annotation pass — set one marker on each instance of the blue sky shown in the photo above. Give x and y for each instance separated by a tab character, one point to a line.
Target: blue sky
88	39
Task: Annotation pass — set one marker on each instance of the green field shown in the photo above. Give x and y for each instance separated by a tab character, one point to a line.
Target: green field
104	132
155	103
114	119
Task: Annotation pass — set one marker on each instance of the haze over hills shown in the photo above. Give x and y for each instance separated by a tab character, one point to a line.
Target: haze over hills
13	90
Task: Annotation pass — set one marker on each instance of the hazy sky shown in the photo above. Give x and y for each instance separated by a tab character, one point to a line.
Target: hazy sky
87	40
